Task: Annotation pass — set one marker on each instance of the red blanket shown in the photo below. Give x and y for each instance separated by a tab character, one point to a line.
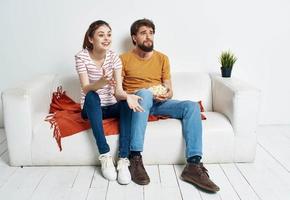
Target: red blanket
65	118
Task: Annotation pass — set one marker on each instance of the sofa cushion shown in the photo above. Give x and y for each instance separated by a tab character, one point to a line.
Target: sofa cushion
163	134
186	86
163	137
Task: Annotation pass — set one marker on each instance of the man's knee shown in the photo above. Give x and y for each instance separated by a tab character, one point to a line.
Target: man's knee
147	97
190	106
145	93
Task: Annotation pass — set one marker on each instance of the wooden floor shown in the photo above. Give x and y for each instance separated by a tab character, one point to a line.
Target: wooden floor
267	178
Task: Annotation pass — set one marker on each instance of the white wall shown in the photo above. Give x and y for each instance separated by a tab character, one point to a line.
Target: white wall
43	36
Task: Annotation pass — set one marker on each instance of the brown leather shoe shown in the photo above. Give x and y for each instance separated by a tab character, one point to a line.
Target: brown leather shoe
196	174
138	172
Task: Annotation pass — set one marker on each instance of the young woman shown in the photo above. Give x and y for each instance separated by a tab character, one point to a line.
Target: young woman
99	70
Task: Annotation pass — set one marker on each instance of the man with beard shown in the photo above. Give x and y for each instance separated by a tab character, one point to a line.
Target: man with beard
143	68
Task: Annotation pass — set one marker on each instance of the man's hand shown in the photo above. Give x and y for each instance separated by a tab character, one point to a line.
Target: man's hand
164	97
133	103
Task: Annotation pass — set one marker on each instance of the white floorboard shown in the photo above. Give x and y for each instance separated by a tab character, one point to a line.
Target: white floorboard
56	183
218	176
152	191
4	159
97	193
5	174
22	183
169	184
98	181
268	178
2	135
3	147
276	144
239	183
122	192
81	184
187	190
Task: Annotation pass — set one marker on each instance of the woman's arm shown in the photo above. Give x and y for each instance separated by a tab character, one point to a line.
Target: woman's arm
84	78
87	86
119	92
132	99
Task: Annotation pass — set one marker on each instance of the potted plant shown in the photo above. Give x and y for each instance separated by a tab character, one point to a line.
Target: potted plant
227	60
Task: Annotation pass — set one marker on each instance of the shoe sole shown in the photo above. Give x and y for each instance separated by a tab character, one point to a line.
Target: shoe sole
145	182
189	180
124	183
141	182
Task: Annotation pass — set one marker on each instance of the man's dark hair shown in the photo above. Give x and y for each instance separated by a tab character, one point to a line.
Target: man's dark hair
91	31
141	22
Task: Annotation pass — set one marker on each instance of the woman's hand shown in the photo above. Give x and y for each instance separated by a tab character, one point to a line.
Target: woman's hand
133	102
105	80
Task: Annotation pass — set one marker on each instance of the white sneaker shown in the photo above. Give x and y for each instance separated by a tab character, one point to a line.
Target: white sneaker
108	168
124	176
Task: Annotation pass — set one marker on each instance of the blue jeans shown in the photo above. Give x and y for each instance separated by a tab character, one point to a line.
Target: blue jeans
93	111
187	111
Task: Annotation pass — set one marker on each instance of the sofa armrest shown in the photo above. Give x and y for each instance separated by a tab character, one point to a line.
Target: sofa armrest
21	106
239	102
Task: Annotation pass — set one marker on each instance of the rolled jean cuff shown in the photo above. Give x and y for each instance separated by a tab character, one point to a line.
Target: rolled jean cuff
123	155
103	151
136	149
193	153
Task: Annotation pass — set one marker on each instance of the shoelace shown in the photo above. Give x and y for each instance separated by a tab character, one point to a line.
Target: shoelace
202	170
124	162
136	160
106	160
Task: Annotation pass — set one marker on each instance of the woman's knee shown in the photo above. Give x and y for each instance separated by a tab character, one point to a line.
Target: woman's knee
123	105
92	98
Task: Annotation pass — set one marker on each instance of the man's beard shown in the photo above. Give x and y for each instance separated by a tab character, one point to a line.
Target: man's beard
145	48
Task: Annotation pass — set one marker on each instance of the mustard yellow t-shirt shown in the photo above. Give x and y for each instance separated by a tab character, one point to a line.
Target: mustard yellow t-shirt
139	73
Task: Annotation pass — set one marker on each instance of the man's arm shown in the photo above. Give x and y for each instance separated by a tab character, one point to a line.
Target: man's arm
166	80
169	94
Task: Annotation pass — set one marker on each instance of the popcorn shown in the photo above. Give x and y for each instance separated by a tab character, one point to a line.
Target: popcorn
158	90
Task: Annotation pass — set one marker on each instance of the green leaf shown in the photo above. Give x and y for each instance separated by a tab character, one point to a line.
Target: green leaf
227	59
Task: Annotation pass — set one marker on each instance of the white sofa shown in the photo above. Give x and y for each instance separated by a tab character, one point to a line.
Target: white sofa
229	132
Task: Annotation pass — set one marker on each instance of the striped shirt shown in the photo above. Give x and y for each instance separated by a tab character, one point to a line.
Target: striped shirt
84	64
